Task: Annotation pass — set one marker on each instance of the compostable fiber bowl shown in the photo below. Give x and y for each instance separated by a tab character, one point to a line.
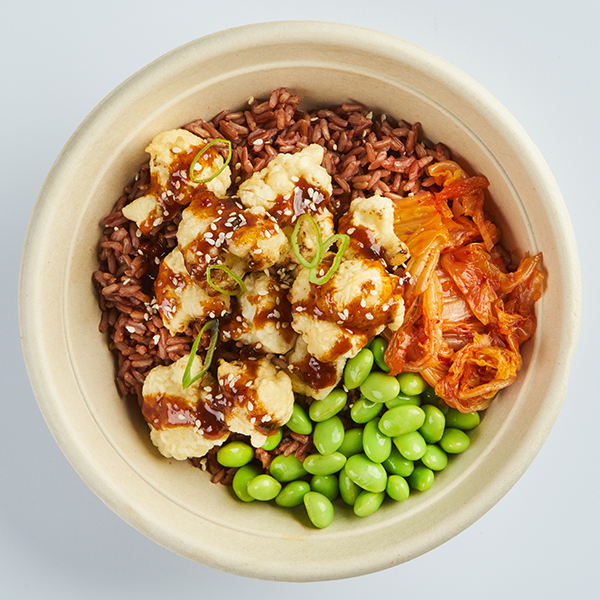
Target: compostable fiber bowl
72	371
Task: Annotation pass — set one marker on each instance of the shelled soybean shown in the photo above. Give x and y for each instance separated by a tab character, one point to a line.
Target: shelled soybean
401	436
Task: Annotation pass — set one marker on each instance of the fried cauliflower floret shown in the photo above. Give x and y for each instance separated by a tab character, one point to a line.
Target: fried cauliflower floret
280	177
214	231
174	415
291	185
180	300
336	319
171	155
376	216
311	377
263	319
259	397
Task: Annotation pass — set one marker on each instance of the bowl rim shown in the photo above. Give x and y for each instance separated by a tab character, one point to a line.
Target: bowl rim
36	348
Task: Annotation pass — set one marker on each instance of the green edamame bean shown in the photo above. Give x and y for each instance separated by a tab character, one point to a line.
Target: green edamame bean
243	476
464	421
272	441
400	420
321	410
397	488
434	458
327	485
286	468
454	441
411	384
349	491
367	503
358	368
364	410
396	464
299	421
435	422
377	446
380	387
352	443
421	479
235	454
264	487
292	494
328	435
411	445
378	348
366	474
403	399
324	464
319	509
428	396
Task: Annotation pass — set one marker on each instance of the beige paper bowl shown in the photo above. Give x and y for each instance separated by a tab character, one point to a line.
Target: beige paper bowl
72	371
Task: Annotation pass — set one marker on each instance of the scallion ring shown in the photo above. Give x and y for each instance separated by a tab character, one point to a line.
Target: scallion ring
294	239
231	274
201	152
344	241
187	376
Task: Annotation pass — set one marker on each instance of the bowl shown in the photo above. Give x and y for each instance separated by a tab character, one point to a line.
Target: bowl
72	371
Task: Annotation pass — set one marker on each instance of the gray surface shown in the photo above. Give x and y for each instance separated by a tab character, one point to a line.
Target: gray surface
59	59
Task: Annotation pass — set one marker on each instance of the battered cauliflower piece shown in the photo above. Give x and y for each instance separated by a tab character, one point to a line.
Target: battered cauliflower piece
338	318
281	175
290	185
311	377
180	300
259	397
214	231
171	155
177	418
370	224
263	319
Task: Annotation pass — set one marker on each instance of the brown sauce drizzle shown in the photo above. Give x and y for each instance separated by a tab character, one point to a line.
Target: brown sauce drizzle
301	201
318	375
163	411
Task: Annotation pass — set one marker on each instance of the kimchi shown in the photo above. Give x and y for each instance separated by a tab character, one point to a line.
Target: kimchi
468	307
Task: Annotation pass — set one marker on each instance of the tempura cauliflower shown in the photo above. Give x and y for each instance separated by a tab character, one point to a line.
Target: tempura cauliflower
180	300
263	319
259	395
376	215
338	318
172	152
172	413
214	231
311	377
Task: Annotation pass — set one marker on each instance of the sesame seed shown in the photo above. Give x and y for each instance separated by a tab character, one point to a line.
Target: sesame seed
130	329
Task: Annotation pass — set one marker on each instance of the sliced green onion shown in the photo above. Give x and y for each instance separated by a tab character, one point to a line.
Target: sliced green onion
187	376
231	274
344	241
294	239
201	152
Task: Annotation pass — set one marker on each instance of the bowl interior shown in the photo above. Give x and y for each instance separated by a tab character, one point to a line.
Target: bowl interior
72	370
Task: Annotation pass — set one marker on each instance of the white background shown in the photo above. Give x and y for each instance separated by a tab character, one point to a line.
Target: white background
539	58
